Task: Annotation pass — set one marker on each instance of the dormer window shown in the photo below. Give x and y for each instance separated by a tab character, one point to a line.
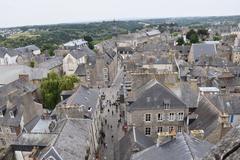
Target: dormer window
166	103
11	114
89	109
148	99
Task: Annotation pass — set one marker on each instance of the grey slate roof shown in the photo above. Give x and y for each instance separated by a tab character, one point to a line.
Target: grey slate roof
157	94
81	70
72	142
7	120
26	49
84	98
51	63
30	125
35	139
207	119
203	49
85	51
184	147
227	148
133	141
10	52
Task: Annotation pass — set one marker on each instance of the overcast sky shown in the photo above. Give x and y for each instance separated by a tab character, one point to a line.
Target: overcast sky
31	12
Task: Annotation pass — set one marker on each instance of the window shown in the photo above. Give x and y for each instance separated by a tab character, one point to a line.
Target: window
160	117
12	129
148	117
170	129
2	141
179	129
11	114
148	99
171	117
159	129
166	103
147	131
180	116
51	158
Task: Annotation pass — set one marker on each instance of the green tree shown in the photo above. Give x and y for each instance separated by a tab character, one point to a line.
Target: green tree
192	36
180	41
88	38
52	86
32	64
50	91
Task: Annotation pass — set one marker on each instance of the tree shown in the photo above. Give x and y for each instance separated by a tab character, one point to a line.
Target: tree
88	38
32	64
192	36
203	33
90	41
52	86
180	41
50	91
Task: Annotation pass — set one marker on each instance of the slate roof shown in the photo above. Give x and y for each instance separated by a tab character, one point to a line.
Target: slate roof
228	103
10	52
75	43
35	139
7	120
227	148
153	95
72	142
153	33
27	49
183	147
51	63
85	98
85	51
203	49
30	125
81	70
133	141
207	119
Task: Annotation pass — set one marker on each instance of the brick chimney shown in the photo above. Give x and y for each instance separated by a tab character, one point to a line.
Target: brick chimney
24	77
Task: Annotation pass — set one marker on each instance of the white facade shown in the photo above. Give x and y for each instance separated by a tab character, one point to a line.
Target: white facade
70	63
7	59
37	52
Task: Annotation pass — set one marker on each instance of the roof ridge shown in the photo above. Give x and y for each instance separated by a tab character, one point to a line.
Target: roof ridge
188	146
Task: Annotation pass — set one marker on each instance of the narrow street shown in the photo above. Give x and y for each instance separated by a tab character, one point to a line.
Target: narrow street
111	115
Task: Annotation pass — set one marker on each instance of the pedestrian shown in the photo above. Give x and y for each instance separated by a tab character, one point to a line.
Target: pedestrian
112	137
105	121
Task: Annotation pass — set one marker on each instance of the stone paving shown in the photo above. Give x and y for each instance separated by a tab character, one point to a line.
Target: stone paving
111	115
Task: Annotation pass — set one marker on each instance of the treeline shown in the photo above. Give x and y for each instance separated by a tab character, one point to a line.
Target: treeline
49	37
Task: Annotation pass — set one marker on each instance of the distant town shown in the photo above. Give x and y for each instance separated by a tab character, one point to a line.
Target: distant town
157	89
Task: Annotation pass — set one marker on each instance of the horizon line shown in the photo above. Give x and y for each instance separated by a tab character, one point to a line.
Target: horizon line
114	19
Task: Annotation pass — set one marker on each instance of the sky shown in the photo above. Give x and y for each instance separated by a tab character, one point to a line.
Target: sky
37	12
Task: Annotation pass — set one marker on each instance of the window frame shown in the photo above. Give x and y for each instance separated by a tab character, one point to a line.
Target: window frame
147	131
162	117
180	117
145	117
158	129
171	118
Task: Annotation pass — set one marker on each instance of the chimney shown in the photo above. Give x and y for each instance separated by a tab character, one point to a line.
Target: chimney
24	77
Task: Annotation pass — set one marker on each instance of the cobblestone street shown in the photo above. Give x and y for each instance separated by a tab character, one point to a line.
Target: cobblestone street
111	115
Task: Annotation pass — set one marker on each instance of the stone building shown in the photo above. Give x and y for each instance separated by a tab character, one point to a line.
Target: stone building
84	103
17	107
157	109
